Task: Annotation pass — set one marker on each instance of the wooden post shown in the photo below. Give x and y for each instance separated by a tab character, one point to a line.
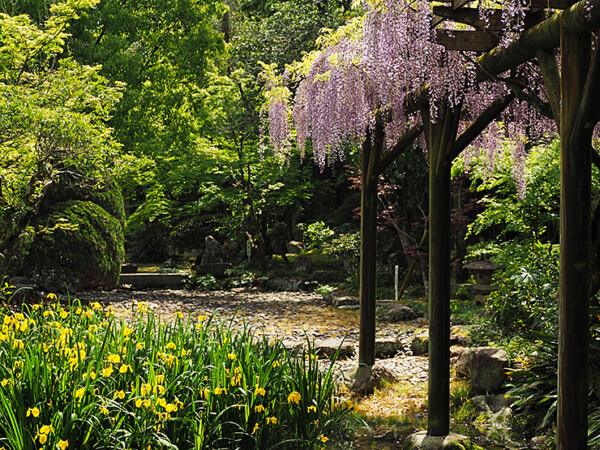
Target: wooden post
371	153
575	243
441	136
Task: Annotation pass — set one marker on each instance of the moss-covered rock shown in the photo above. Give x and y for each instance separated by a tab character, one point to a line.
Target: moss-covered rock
75	244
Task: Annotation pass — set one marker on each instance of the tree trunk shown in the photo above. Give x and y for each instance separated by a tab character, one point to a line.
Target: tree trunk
441	136
371	153
575	244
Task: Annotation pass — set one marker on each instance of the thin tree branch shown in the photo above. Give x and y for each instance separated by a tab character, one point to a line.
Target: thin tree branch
480	124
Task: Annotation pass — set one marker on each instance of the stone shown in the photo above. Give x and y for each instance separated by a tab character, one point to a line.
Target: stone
464	363
324	276
420	343
213	260
538	442
480	405
387	348
303	265
293	345
329	347
129	268
20	282
486	366
456	352
395	313
452	441
459	336
340	299
294	247
365	379
215	269
488	370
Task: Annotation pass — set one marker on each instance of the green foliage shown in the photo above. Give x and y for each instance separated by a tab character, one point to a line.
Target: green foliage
527	288
315	235
533	217
77	243
80	376
201	282
534	387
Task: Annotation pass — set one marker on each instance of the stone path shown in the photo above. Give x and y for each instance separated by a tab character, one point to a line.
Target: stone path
291	316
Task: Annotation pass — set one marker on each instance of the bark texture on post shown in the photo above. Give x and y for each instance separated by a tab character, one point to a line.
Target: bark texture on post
441	136
575	243
371	153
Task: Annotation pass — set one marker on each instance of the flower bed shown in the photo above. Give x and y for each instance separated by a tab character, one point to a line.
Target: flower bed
73	376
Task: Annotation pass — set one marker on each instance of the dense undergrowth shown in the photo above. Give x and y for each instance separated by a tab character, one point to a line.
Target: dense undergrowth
74	376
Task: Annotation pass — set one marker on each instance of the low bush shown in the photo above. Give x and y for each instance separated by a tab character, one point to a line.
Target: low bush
78	244
76	376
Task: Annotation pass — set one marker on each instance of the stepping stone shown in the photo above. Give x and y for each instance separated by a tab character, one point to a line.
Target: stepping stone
329	347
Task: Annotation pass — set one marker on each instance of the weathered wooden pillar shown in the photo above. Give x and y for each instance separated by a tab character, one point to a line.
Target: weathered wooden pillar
575	243
441	136
371	153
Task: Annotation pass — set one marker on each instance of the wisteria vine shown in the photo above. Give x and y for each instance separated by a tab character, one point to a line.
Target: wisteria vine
358	80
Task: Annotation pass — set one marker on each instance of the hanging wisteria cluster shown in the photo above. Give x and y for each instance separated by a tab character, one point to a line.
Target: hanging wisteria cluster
358	80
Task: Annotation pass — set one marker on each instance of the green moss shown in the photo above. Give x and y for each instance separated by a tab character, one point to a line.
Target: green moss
109	197
77	243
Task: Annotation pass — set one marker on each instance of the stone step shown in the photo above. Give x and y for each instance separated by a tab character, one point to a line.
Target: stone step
150	279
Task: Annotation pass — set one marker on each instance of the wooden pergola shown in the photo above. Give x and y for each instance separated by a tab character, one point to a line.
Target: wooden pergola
572	90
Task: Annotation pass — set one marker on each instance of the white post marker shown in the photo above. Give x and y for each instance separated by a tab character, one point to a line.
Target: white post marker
248	249
396	282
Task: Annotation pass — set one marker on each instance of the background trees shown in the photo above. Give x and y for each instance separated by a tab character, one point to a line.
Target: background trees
52	134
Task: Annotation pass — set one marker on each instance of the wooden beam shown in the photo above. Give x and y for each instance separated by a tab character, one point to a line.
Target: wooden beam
551	74
549	4
470	16
474	41
491	22
459	3
582	17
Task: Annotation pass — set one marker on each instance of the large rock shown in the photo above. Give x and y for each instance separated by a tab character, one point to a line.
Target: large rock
387	348
213	260
395	313
76	244
302	265
365	379
486	366
286	283
420	343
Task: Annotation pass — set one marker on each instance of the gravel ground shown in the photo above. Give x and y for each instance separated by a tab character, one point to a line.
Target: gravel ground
291	316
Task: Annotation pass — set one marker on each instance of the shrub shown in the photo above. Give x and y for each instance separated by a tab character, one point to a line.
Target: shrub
76	375
315	234
527	286
76	243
